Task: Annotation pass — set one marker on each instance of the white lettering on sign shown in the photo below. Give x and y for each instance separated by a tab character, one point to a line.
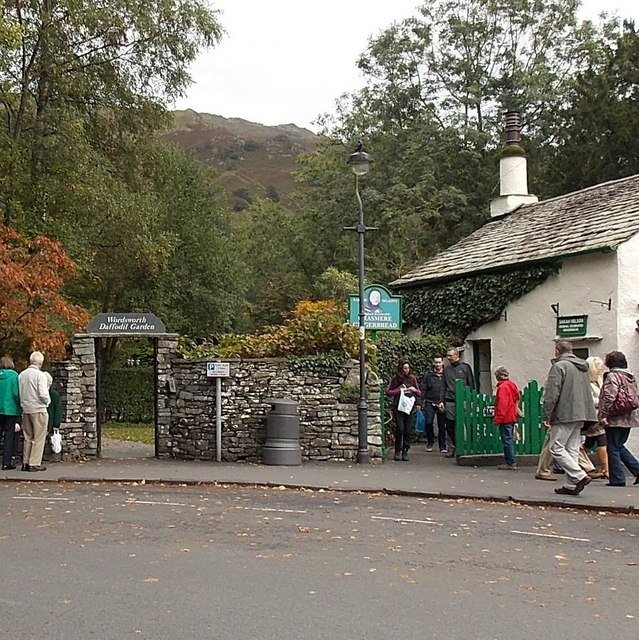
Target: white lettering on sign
218	369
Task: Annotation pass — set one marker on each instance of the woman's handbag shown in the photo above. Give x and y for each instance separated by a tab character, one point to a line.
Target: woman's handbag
406	403
625	402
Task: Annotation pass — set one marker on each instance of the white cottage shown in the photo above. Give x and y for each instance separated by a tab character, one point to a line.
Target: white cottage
593	300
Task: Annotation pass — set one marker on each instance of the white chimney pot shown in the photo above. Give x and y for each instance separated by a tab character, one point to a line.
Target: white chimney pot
513	176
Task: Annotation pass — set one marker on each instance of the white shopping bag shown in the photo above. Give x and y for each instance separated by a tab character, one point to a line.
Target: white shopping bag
56	441
405	404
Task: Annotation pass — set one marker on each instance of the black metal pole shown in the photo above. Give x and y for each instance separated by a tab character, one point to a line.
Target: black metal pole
363	457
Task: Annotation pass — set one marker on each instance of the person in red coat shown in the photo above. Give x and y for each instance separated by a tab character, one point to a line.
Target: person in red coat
506	413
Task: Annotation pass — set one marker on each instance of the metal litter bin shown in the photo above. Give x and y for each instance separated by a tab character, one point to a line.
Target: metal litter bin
282	446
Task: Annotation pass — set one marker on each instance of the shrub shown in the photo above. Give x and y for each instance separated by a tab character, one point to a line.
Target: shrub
127	394
418	351
313	328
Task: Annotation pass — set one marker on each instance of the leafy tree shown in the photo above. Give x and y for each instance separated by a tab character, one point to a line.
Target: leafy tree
272	193
242	199
82	99
33	313
596	134
430	114
334	284
78	64
266	238
199	289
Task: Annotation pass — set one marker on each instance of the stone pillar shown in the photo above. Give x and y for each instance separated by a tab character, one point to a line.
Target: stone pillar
165	392
77	382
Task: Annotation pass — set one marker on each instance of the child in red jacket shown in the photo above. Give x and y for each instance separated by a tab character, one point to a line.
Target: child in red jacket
506	413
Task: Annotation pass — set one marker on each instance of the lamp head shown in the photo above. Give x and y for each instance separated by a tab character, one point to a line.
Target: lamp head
360	161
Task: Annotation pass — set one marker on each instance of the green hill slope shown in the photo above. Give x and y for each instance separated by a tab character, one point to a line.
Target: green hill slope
258	159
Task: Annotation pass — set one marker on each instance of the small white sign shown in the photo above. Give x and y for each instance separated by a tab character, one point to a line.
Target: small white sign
218	369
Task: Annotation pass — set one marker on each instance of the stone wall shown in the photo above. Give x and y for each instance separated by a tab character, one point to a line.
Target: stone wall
186	416
185	406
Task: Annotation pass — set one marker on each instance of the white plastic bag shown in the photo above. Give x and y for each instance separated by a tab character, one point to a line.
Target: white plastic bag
405	404
56	441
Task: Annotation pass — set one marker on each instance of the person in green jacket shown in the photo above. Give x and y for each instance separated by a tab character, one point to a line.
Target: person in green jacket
9	410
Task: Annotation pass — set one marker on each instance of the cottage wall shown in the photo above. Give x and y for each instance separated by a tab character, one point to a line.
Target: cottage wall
627	301
523	341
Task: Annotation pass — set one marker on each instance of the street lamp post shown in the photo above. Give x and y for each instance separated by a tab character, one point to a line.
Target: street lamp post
359	162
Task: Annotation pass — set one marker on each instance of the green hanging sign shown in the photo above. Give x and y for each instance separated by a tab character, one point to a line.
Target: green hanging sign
382	310
572	326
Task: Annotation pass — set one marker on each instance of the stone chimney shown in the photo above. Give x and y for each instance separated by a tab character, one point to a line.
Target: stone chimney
513	172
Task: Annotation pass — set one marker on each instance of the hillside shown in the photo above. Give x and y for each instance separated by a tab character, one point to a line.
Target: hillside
252	158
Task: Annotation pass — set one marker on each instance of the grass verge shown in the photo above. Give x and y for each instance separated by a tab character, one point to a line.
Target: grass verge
130	432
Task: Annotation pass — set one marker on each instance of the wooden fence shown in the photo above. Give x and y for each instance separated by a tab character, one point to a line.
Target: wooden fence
475	432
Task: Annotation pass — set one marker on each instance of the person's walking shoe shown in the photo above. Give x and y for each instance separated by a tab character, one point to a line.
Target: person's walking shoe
396	457
616	484
545	476
8	467
508	467
429	447
405	457
444	450
25	467
566	491
38	467
636	480
579	487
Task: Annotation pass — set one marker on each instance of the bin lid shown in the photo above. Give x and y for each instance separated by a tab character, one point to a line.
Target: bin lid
285	406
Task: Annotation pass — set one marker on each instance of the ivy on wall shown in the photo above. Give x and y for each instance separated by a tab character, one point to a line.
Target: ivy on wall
460	306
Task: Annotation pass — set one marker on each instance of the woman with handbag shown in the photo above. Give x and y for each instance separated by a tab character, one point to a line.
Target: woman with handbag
618	413
596	433
403	389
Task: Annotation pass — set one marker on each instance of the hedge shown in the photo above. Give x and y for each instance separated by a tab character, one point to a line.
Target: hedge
126	394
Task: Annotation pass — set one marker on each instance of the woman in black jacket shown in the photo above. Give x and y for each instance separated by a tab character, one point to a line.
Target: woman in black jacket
403	383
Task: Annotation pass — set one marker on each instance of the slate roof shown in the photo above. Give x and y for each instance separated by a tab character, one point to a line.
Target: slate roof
597	218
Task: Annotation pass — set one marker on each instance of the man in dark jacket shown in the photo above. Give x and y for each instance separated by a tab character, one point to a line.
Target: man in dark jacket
456	370
433	404
567	406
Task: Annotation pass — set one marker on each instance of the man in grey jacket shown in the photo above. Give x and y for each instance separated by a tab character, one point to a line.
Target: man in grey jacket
34	400
568	405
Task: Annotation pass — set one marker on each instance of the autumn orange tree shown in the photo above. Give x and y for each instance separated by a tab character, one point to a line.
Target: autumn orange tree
33	312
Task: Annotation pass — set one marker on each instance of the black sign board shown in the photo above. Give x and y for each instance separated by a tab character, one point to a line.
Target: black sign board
131	323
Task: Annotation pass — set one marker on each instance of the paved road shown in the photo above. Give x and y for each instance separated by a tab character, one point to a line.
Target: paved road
117	561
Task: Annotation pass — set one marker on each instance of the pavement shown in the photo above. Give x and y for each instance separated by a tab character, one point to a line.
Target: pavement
429	475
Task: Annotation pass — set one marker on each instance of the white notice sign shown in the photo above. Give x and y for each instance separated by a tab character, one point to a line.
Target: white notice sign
218	369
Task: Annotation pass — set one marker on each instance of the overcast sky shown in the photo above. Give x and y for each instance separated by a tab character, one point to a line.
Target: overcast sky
283	62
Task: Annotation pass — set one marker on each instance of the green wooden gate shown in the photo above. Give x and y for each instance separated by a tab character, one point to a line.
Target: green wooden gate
475	432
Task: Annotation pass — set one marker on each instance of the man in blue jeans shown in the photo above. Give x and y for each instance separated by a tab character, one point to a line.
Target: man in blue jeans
507	397
433	405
